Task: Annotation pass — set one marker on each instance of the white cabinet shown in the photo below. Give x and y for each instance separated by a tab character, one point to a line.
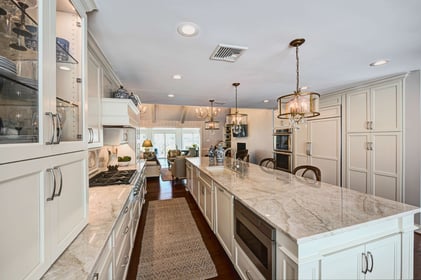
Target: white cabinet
377	108
94	102
286	264
206	198
224	219
41	220
245	267
374	140
195	184
319	144
103	269
374	163
67	210
189	175
379	259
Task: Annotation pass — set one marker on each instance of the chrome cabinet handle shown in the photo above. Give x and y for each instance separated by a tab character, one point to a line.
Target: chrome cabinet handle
367	125
366	263
59	129
51	170
61	180
90	135
308	148
371	146
96	276
126	230
371	125
248	275
126	209
372	262
53	128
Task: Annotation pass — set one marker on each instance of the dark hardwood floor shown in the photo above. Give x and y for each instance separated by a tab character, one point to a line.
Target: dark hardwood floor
159	190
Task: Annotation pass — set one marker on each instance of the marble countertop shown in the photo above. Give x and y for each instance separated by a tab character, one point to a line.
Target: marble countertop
105	205
302	208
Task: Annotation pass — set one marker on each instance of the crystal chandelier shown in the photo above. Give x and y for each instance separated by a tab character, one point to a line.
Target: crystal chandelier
211	124
298	106
205	112
236	120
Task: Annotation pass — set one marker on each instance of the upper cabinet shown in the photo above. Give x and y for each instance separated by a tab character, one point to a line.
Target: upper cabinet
42	78
375	109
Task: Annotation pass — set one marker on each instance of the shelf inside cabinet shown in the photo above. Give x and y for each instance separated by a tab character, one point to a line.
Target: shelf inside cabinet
19	30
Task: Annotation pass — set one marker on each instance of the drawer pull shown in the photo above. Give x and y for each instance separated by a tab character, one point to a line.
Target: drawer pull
126	209
126	230
96	276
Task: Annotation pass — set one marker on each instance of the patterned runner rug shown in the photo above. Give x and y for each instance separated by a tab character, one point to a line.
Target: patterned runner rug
172	247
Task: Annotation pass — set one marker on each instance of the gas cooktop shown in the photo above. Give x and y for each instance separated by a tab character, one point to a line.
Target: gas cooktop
114	177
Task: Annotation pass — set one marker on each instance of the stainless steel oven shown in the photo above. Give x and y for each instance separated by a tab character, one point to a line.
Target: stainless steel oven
283	161
257	239
282	140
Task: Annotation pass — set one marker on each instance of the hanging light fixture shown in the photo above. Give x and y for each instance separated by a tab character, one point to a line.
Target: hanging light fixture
298	106
211	124
206	112
236	120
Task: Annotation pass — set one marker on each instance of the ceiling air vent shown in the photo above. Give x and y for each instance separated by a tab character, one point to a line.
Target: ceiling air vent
227	53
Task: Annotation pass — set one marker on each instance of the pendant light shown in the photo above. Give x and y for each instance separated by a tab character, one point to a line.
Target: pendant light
236	120
298	106
211	124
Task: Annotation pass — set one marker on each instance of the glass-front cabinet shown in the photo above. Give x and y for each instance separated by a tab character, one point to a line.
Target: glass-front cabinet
42	73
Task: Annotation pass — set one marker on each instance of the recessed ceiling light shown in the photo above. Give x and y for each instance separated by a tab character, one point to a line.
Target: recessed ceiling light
188	29
266	101
379	62
171	95
176	77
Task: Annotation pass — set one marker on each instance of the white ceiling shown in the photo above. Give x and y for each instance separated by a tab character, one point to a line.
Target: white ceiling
140	40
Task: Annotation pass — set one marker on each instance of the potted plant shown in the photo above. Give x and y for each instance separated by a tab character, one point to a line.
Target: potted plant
124	161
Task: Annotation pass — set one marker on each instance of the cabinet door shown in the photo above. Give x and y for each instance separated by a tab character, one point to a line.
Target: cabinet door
384	258
224	226
358	111
325	148
22	242
346	264
358	164
202	193
286	267
68	211
195	185
209	205
386	107
94	102
386	165
301	141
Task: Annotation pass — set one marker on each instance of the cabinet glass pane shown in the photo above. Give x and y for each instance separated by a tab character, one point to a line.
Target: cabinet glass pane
18	72
68	71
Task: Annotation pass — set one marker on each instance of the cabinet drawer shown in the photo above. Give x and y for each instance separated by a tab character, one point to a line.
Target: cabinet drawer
122	261
245	267
122	229
103	267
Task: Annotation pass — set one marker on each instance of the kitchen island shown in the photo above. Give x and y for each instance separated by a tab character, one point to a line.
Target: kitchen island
322	231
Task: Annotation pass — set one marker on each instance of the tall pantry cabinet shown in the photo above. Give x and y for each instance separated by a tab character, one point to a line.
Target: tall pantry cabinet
43	167
374	139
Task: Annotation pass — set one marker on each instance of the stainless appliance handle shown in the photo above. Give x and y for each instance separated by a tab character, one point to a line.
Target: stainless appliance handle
59	132
372	262
366	263
51	170
309	147
53	128
61	180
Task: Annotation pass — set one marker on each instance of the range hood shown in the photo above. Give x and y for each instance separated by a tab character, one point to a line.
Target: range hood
117	112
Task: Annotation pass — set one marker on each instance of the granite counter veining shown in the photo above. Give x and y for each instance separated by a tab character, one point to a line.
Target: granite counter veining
105	205
302	208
